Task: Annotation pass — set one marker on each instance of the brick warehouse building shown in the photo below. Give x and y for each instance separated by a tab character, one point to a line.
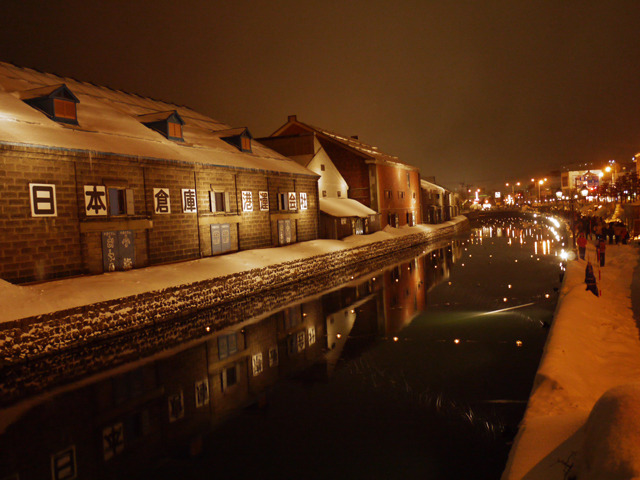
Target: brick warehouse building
93	180
378	180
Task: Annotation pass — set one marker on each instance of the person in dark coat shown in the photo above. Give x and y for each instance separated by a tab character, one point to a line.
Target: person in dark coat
624	234
590	280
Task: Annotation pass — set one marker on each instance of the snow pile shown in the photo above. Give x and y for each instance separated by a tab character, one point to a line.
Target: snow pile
345	207
611	446
593	346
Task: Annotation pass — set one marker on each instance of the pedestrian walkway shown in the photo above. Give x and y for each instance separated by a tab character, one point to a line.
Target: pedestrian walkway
593	346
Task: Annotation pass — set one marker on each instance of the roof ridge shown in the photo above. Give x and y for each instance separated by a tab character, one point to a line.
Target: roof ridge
352	142
96	85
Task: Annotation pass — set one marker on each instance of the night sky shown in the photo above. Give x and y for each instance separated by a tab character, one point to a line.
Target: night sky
469	91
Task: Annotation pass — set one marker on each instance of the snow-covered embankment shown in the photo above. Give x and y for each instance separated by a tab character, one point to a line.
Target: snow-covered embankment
593	347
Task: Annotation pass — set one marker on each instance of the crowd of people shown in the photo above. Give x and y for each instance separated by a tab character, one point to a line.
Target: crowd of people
601	233
596	229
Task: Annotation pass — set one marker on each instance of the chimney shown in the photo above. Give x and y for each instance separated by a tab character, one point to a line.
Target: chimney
355	137
292	118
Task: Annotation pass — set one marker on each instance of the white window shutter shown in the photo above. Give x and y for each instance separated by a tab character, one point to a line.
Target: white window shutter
130	203
212	200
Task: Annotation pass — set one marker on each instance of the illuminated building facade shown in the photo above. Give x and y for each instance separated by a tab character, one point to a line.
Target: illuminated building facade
96	180
378	180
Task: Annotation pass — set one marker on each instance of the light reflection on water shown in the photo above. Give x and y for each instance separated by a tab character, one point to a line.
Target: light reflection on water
422	364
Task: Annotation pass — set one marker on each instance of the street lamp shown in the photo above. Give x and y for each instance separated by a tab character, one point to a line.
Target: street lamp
513	189
540	182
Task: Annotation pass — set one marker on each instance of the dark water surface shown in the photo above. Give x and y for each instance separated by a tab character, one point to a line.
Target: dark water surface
419	371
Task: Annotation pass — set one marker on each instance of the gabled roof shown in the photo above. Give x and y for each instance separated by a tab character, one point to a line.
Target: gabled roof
49	91
109	123
160	116
233	132
354	144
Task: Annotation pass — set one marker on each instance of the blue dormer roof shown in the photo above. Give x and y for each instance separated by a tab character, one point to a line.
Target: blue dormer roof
167	123
238	137
55	101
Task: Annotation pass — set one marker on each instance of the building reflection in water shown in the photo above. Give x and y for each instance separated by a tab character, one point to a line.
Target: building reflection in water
119	422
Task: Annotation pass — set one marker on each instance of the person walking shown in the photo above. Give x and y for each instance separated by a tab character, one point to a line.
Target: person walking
602	246
582	245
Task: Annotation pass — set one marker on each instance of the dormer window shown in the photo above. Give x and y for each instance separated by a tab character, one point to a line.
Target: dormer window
55	101
168	124
65	109
175	131
238	137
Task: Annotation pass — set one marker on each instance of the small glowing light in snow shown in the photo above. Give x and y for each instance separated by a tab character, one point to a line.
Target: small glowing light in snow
456	341
546	295
504	299
509	286
518	343
374	279
397	280
395	339
516	260
463	264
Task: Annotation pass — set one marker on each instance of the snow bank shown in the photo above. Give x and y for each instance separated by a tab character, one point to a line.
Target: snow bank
593	346
611	446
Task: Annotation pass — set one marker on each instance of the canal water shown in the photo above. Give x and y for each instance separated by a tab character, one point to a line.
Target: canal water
421	370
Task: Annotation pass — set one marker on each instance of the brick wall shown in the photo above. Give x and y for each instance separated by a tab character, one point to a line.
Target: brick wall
401	201
42	248
37	248
254	229
175	235
307	224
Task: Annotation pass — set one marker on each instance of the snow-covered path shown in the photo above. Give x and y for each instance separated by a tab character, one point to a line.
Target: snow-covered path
18	302
593	346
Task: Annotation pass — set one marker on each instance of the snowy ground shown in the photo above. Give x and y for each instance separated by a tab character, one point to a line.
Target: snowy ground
25	301
593	347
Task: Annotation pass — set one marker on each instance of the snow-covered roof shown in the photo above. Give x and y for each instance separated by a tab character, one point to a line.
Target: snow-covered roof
108	122
344	207
232	132
353	143
156	117
431	186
